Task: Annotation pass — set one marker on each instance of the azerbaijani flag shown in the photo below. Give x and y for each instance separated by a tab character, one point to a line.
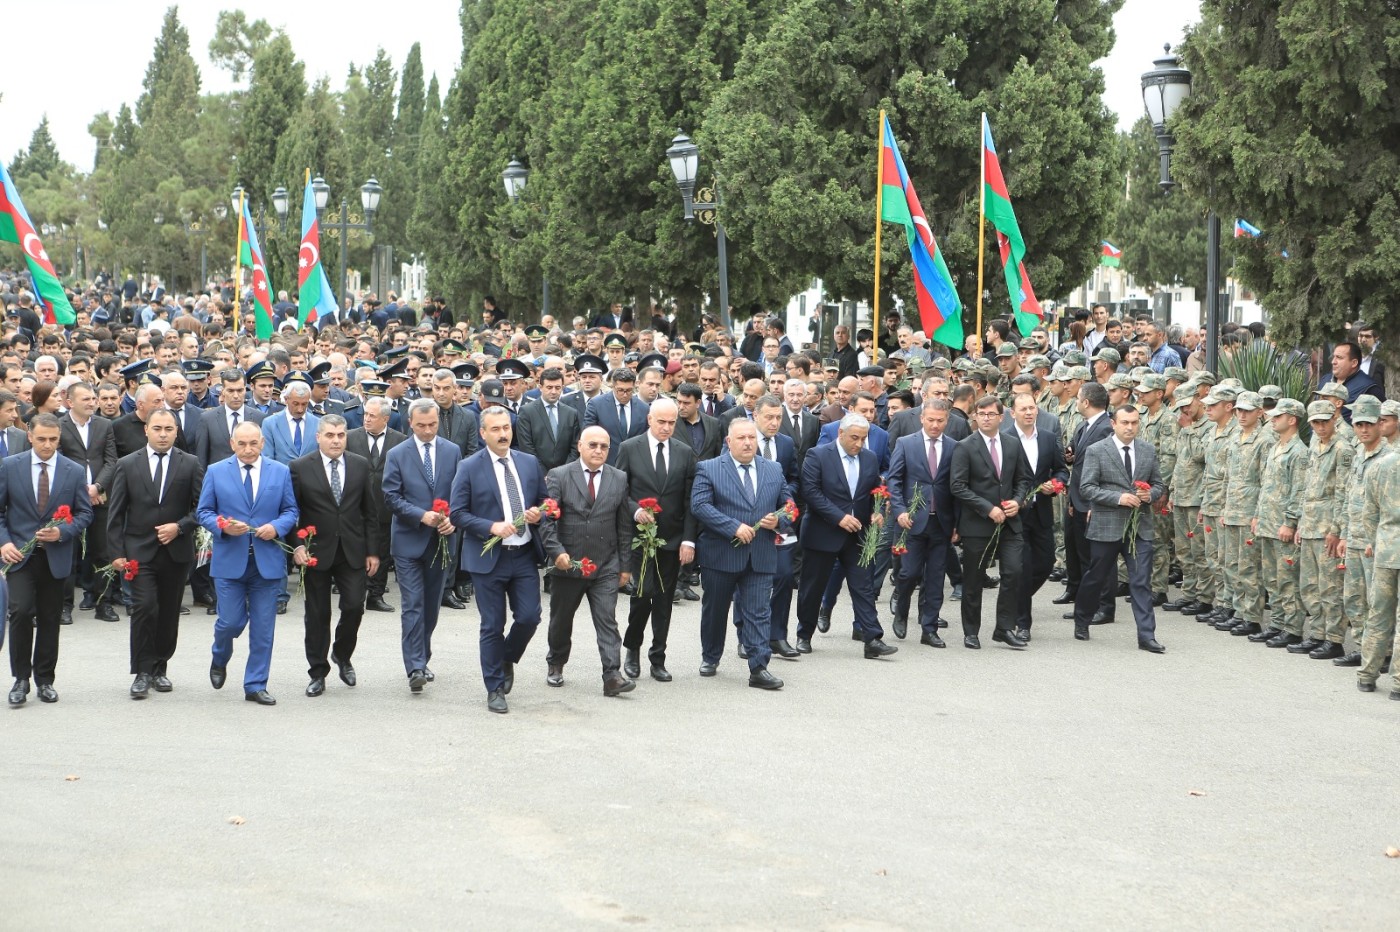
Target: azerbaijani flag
15	227
997	206
940	311
1112	255
314	296
1246	229
250	256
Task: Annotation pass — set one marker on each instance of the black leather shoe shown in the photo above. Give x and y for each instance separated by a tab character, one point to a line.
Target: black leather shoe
496	702
67	617
1068	616
616	685
88	603
1123	590
261	697
451	601
804	646
901	627
510	679
1306	646
1101	618
1159	599
1176	605
141	686
1364	687
709	669
19	692
211	610
281	610
554	675
46	692
347	672
161	683
1326	651
1225	624
1152	647
217	675
1064	598
855	635
463	592
632	664
762	679
1282	640
106	612
876	648
689	594
783	649
1023	633
990	582
1009	638
1081	633
1264	636
184	609
932	639
316	687
1352	659
971	642
743	651
660	673
378	605
1395	694
1056	575
1244	628
823	621
956	594
1199	609
416	681
942	623
629	590
429	675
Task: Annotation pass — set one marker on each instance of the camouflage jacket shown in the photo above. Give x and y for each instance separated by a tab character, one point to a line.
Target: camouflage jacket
1160	431
1281	487
1190	465
1328	468
1217	445
1353	527
1378	511
1070	419
1246	471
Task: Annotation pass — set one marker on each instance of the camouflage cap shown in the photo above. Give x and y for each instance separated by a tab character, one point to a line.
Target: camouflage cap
1109	355
1176	372
1204	377
1234	383
1030	344
1270	392
1059	374
1248	401
1390	409
1075	358
1005	350
939	362
1152	382
1365	410
1038	362
1289	406
962	364
1121	380
1333	390
1320	410
1080	372
1137	372
1182	397
1221	393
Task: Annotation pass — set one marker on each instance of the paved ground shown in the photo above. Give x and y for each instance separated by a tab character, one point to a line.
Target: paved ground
1072	785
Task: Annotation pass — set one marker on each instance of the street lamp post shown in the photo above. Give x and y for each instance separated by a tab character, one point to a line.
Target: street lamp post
1163	90
514	178
684	157
370	193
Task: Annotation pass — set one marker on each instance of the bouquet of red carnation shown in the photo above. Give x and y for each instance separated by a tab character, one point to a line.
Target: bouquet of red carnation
550	509
307	536
1130	534
789	511
916	501
870	542
61	515
646	541
585	566
110	571
1057	487
519	523
443	556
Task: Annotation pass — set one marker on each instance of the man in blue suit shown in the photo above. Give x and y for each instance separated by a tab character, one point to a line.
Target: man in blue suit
34	484
253	495
618	412
417	473
777	447
922	461
837	482
735	497
291	432
497	493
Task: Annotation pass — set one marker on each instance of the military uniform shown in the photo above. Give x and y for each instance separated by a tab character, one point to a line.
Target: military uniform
1160	431
1186	484
1070	419
1280	506
1382	490
1319	578
1241	501
1358	526
1216	443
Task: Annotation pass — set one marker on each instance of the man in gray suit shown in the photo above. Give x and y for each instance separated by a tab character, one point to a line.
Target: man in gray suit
216	424
595	523
547	428
1111	468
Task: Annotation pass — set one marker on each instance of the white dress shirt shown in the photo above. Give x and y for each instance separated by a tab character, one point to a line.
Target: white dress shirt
152	461
523	535
1031	444
34	472
84	431
257	473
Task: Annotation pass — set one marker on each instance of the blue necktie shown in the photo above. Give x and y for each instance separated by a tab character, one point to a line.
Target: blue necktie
4	446
248	480
553	420
296	437
748	482
428	465
852	474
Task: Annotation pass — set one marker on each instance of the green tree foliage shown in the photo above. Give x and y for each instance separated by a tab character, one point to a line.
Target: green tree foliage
237	42
1292	125
1162	235
41	158
795	136
276	91
369	104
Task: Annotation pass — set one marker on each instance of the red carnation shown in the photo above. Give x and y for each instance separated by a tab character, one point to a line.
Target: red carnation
550	508
1289	561
441	506
1341	566
1007	504
64	514
587	567
310	530
1249	541
1209	529
132	568
899	551
1190	533
222	522
651	505
303	533
1143	486
1057	487
310	561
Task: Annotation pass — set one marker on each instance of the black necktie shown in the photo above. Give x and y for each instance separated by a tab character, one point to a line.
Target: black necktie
160	475
374	448
1128	462
661	461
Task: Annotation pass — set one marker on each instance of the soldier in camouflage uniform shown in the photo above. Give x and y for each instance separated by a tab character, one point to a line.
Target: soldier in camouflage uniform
1159	429
1355	547
1218	436
1320	578
1060	379
1390	422
1336	394
1378	512
1186	484
1241	498
1009	364
1274	528
1038	365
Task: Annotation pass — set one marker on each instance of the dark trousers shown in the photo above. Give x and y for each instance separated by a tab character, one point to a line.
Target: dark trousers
156	594
955	570
378	584
1076	548
1008	554
566	593
1102	573
351	581
1038	560
92	553
817	569
518	579
202	585
35	595
753	590
926	562
783	581
660	586
420	589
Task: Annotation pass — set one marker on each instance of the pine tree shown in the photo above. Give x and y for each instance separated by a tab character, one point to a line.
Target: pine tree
1162	235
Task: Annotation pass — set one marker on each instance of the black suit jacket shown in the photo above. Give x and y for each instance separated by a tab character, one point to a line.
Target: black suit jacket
1050	465
713	443
1084	438
975	484
357	442
958	425
675	524
129	432
533	436
804	438
461	426
99	455
211	441
133	512
352	527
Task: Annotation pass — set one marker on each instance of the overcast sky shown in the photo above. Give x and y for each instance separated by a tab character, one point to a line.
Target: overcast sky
101	49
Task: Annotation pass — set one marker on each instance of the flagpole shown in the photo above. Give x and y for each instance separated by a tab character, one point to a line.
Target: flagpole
879	206
238	257
981	226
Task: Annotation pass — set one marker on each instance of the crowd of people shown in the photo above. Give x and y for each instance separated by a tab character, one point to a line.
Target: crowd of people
161	445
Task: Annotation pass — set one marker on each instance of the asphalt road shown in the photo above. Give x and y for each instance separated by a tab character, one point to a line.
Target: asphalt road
1071	785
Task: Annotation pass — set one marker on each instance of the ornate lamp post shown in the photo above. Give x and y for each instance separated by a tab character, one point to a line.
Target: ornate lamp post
684	157
514	178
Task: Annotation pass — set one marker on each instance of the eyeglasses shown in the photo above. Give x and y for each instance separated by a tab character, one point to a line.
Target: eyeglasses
595	445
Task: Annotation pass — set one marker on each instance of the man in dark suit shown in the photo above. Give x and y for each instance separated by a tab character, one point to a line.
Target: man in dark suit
878	441
659	466
801	425
216	424
1093	402
455	423
335	496
595	523
33	486
418	473
736	497
990	479
151	519
924	461
773	444
548	429
129	430
497	493
589	370
1045	462
837	482
960	415
618	412
695	428
373	442
613	318
1107	484
87	440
